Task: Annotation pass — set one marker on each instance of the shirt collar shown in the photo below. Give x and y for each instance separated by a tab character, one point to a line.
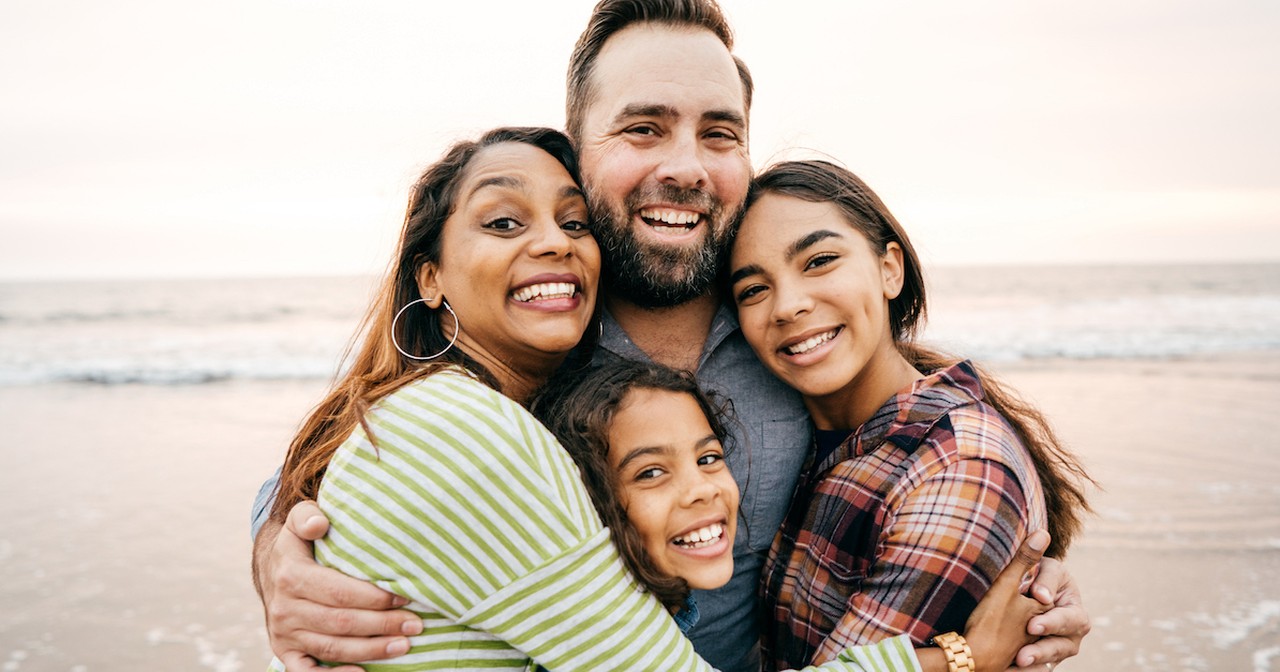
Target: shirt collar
614	339
906	417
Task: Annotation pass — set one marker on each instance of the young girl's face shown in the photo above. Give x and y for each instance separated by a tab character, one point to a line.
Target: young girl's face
813	296
675	486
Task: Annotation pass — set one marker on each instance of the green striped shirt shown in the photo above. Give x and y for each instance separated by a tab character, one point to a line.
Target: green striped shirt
468	507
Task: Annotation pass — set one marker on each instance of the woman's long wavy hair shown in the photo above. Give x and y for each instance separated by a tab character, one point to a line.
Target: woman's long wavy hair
1060	472
579	410
378	368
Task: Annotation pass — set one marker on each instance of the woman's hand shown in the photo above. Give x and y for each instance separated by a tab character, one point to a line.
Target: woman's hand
316	613
998	627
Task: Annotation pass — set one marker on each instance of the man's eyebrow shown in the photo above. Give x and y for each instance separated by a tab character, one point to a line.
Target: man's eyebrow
646	110
804	243
725	116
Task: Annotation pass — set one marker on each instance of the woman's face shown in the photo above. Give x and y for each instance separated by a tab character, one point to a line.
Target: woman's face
518	264
675	486
812	295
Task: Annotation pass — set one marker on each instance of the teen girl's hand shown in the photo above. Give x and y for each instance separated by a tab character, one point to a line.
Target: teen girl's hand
316	613
1062	628
997	628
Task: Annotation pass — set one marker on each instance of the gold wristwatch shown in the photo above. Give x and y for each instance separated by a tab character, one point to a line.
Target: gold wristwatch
959	657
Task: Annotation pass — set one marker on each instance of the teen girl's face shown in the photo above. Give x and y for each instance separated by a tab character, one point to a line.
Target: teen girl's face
517	264
813	298
675	485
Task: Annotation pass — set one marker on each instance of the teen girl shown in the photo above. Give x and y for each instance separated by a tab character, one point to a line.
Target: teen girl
926	474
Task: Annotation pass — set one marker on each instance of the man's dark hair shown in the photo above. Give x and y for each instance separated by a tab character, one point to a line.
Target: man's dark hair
611	16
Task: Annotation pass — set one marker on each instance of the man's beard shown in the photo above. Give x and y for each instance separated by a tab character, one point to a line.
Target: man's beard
652	275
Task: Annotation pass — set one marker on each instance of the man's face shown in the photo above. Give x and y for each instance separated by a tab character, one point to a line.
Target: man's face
664	158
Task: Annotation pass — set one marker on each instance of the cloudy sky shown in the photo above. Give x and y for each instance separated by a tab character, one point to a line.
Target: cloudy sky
273	137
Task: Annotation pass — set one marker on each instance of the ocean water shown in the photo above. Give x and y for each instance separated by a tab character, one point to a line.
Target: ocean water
197	331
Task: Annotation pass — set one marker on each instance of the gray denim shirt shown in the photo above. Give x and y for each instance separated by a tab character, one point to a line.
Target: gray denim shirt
772	434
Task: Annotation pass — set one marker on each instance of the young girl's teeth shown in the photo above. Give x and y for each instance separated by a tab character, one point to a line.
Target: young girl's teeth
703	537
546	290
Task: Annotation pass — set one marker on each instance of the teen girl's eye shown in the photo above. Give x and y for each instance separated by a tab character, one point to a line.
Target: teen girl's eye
820	260
747	294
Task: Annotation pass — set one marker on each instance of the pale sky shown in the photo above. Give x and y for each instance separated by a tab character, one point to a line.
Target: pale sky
268	137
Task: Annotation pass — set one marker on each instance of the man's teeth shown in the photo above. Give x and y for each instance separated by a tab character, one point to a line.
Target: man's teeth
679	218
700	538
546	290
809	343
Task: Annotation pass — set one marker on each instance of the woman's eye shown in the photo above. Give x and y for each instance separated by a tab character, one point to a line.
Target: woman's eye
575	225
820	261
502	224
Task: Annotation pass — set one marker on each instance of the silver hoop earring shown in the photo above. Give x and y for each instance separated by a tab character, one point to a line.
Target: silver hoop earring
446	348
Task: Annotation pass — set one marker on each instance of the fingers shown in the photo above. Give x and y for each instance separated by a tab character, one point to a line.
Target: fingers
1028	555
295	661
306	521
353	648
1070	621
1046	650
306	580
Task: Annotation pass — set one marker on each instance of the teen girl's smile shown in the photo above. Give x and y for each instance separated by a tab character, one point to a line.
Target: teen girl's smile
675	486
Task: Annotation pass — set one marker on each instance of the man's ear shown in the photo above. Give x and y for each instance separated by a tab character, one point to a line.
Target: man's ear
429	284
891	270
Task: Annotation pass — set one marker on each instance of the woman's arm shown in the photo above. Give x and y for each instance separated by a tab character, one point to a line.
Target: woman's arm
480	520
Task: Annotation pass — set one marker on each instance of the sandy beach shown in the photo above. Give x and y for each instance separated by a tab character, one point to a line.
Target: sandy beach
125	537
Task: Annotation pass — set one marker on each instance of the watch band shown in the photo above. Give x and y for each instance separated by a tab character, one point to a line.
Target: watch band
959	657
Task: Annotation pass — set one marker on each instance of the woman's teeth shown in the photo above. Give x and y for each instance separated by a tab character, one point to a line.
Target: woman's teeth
546	290
700	538
810	343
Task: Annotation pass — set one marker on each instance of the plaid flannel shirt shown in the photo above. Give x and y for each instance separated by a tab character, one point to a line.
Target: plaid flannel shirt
902	528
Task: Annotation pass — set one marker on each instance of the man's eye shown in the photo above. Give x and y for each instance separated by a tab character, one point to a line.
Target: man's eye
641	130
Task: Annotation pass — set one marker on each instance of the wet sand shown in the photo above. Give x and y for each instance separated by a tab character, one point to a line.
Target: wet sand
125	545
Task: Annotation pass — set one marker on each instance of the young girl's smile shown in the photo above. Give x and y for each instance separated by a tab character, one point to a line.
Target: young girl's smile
674	484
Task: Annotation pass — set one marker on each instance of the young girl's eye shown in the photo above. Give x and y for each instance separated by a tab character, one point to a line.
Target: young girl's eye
820	260
648	474
710	459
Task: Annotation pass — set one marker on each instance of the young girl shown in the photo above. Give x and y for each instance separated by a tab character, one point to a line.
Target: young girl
651	446
926	473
